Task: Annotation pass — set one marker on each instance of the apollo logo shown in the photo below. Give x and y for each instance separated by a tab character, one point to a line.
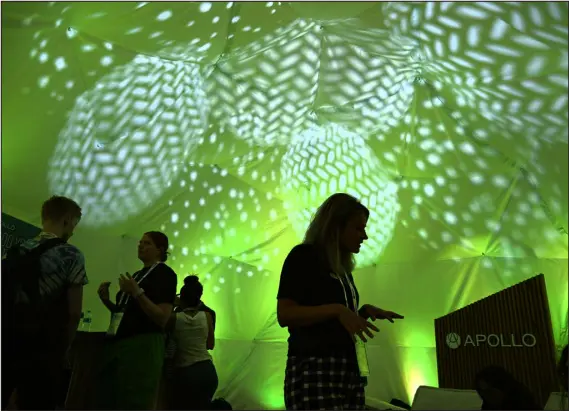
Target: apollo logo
453	340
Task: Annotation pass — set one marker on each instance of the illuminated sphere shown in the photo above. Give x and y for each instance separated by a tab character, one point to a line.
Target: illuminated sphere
126	138
359	88
266	106
327	160
504	61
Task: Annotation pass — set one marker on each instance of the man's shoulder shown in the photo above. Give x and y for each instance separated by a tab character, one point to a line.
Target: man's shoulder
62	260
63	250
70	252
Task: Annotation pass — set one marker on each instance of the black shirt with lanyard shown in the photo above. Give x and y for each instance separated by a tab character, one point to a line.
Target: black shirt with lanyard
159	283
352	304
307	279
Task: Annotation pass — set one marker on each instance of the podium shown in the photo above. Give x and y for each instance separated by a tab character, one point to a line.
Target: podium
511	328
84	357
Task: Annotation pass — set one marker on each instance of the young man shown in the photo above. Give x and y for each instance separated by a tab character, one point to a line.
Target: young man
40	324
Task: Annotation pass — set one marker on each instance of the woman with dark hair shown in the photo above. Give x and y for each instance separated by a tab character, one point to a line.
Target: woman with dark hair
499	390
132	362
318	302
194	378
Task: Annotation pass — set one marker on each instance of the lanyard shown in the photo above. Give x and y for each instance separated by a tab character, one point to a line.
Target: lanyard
352	291
361	353
124	297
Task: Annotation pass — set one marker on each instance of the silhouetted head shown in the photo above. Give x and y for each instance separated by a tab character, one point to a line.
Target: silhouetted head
153	247
339	228
499	390
191	293
60	215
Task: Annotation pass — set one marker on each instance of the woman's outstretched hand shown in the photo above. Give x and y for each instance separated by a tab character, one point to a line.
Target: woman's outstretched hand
356	325
128	285
374	313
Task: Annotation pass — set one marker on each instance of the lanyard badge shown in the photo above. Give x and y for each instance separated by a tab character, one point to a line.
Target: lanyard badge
361	350
116	319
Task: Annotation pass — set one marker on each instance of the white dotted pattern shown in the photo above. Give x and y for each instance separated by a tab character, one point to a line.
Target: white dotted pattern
125	140
323	161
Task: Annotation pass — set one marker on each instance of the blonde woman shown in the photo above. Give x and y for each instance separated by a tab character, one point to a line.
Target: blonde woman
318	301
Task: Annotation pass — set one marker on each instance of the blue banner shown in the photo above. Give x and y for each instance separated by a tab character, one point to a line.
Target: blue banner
15	231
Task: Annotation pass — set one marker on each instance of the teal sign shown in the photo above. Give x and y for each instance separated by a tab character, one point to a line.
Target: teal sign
15	231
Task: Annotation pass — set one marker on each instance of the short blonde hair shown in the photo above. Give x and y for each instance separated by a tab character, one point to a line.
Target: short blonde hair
57	208
325	229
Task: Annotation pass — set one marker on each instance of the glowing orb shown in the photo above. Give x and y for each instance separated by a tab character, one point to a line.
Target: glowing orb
366	78
269	104
505	61
360	80
323	161
340	11
126	138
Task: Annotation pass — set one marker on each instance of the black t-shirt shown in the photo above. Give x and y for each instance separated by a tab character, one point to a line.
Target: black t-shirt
160	287
307	280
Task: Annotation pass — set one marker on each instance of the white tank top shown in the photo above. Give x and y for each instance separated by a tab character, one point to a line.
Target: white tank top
190	335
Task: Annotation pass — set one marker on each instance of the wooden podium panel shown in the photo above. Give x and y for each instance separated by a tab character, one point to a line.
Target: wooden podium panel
85	354
511	328
85	357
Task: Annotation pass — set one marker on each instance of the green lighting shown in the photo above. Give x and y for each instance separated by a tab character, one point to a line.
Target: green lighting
226	124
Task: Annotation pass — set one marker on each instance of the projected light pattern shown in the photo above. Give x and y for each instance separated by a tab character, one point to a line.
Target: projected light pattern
270	103
505	61
326	160
525	217
126	139
545	176
274	88
366	77
55	52
225	220
447	119
215	271
442	169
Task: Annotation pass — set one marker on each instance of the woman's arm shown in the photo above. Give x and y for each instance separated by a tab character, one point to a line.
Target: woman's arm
291	314
110	305
171	324
158	313
210	343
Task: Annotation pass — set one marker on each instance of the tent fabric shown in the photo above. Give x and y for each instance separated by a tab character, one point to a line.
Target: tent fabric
226	124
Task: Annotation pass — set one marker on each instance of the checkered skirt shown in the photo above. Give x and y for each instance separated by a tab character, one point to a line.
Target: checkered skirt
323	383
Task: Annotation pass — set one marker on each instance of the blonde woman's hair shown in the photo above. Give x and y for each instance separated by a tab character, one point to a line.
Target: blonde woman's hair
326	226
